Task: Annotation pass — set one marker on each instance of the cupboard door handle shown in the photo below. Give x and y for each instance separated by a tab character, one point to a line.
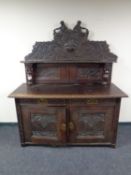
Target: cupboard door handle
71	126
63	127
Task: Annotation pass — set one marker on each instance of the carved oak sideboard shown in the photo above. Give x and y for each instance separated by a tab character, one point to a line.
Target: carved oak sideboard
68	98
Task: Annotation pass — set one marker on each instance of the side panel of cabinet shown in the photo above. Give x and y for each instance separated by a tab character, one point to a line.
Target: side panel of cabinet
41	124
91	124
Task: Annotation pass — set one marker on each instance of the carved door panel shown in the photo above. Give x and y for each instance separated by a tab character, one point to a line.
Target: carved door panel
91	124
44	125
91	73
46	73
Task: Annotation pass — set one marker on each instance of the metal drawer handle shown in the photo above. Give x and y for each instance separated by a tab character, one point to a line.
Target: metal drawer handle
92	101
42	100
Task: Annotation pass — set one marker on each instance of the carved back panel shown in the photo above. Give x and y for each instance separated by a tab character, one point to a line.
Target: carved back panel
61	60
88	73
71	45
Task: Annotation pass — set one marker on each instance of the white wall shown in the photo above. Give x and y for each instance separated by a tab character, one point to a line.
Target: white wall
24	22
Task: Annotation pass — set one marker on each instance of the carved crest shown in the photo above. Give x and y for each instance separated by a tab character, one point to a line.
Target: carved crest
71	45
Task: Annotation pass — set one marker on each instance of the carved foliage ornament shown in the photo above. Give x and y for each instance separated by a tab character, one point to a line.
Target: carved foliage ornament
43	125
71	45
91	124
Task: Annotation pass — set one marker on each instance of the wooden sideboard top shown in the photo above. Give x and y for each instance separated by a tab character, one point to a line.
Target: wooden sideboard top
66	91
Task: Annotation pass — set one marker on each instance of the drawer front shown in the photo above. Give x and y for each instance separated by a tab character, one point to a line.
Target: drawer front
88	101
43	101
93	102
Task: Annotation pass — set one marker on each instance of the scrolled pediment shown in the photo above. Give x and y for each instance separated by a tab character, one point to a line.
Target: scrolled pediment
71	45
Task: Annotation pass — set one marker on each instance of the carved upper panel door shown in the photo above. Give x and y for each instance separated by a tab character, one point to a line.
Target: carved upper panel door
91	124
44	125
90	73
46	73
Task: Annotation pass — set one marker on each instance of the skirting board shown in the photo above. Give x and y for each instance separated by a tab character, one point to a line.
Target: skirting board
15	123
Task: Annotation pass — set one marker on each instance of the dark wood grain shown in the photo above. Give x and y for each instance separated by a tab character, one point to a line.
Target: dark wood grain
68	121
67	91
88	73
70	58
68	98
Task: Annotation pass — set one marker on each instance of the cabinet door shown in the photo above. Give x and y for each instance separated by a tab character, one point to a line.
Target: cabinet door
87	73
49	73
43	124
91	124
